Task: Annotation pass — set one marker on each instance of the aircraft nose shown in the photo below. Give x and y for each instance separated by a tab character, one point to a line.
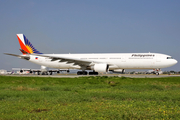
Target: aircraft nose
175	61
171	62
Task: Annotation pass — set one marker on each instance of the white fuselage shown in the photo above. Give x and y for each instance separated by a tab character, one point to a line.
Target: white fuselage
115	60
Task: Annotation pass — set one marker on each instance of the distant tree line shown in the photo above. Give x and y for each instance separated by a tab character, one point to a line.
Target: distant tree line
171	72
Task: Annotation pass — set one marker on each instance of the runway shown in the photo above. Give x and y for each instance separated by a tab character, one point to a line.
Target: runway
109	75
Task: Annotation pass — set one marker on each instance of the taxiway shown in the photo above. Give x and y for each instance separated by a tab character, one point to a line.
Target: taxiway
109	75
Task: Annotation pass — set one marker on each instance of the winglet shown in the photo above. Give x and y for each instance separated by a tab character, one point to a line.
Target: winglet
26	46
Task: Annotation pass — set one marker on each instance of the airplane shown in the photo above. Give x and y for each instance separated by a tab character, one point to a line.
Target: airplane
98	63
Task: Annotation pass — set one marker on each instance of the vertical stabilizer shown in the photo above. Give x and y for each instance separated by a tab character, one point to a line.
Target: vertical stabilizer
26	46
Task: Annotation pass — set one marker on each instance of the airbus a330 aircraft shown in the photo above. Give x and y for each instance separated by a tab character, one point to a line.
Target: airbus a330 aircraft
101	62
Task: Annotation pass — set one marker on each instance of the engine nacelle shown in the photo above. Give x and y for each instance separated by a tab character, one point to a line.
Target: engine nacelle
100	67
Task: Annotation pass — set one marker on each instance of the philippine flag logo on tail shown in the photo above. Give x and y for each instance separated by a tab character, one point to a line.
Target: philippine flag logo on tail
26	46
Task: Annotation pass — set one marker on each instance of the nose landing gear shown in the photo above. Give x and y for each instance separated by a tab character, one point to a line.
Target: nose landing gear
157	71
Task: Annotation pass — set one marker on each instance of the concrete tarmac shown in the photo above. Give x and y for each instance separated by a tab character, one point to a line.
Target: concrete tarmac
109	75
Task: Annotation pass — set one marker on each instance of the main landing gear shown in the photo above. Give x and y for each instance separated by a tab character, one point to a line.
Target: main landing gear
93	73
85	73
82	73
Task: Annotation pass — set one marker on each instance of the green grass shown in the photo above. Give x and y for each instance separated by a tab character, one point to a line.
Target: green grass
89	98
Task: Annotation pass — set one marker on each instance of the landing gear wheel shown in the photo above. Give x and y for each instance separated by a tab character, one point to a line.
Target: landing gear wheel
93	73
81	73
84	73
157	73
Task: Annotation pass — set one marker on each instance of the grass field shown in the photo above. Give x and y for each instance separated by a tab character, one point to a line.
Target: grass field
89	98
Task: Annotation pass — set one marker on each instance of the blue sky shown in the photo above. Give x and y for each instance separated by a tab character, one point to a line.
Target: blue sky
89	26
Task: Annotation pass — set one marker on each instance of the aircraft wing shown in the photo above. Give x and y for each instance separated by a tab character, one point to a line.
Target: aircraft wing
19	56
76	61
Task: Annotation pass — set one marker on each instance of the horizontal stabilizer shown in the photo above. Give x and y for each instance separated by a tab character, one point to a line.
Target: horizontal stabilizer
12	54
20	56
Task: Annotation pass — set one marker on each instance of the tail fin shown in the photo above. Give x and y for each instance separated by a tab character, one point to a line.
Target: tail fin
26	46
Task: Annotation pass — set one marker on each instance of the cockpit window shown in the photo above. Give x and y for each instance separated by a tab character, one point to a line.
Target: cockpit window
169	57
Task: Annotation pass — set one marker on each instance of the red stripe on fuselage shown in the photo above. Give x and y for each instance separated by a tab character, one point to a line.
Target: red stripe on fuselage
22	45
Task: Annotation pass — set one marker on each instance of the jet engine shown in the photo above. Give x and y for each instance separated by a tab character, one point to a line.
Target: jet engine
100	67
